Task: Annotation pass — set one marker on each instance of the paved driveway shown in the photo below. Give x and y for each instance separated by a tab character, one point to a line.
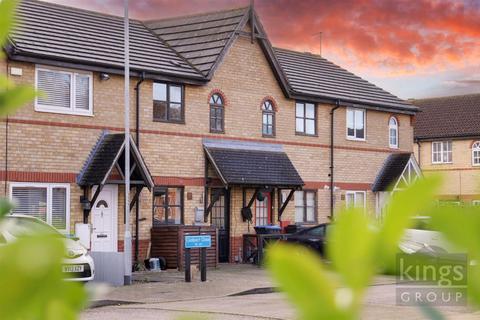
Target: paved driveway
171	298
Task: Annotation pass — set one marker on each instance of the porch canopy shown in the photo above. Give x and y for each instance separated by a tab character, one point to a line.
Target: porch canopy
258	166
399	170
105	165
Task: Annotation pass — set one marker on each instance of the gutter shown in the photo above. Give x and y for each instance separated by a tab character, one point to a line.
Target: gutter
16	55
332	186
411	110
137	141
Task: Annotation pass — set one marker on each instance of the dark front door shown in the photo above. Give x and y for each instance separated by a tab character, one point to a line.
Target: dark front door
220	219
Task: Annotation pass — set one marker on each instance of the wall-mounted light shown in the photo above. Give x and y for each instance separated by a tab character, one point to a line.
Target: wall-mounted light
104	76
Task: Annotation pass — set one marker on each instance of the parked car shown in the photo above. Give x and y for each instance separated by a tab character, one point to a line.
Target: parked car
422	238
77	264
313	237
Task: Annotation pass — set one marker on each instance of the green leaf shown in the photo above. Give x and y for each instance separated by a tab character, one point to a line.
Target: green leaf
352	245
5	207
460	226
7	10
415	200
13	97
32	282
301	276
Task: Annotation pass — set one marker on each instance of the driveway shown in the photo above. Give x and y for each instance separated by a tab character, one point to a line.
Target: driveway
233	292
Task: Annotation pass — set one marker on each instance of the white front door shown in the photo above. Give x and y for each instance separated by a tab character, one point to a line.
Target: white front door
104	219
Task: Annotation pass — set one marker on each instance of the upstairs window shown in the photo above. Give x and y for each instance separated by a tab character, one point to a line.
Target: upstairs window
268	119
47	202
476	153
393	133
355	124
442	152
305	118
63	91
168	102
217	114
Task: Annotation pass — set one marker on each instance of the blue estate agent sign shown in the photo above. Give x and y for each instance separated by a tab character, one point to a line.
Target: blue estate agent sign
204	241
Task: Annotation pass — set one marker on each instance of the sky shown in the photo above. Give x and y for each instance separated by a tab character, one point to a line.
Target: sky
411	48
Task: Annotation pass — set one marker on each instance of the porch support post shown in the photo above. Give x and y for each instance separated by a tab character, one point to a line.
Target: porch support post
205	188
257	190
95	196
289	197
216	196
86	212
135	197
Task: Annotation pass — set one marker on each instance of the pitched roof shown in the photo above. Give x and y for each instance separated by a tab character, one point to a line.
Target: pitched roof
201	38
313	75
391	171
64	33
188	48
108	151
448	117
243	163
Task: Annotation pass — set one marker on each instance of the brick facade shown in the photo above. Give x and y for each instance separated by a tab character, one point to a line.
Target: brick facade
460	178
49	147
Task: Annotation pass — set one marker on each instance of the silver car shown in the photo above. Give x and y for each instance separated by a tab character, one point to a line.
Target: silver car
77	264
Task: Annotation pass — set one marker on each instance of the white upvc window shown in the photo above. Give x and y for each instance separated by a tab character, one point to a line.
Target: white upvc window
49	202
442	152
356	127
355	199
476	153
475	202
64	91
393	133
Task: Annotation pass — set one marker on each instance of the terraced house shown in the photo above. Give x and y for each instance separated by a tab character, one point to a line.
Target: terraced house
230	133
447	142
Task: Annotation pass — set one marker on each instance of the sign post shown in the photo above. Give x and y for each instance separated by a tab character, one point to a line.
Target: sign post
201	242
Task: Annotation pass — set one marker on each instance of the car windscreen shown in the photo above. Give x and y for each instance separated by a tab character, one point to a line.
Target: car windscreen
20	226
319	231
422	224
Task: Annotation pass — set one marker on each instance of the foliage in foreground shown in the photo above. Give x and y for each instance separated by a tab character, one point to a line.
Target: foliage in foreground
31	279
359	247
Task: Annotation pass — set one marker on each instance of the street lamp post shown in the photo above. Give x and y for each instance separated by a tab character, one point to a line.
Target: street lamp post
127	241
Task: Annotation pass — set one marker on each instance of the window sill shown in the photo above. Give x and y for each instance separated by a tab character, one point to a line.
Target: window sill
394	147
170	121
217	132
306	134
356	139
435	163
268	136
66	112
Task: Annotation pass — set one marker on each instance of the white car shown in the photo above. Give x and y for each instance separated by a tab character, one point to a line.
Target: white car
77	264
421	238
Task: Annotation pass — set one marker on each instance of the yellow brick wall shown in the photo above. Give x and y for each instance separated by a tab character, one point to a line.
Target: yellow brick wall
56	143
461	179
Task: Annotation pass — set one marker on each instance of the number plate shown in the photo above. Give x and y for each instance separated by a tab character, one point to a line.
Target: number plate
72	268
